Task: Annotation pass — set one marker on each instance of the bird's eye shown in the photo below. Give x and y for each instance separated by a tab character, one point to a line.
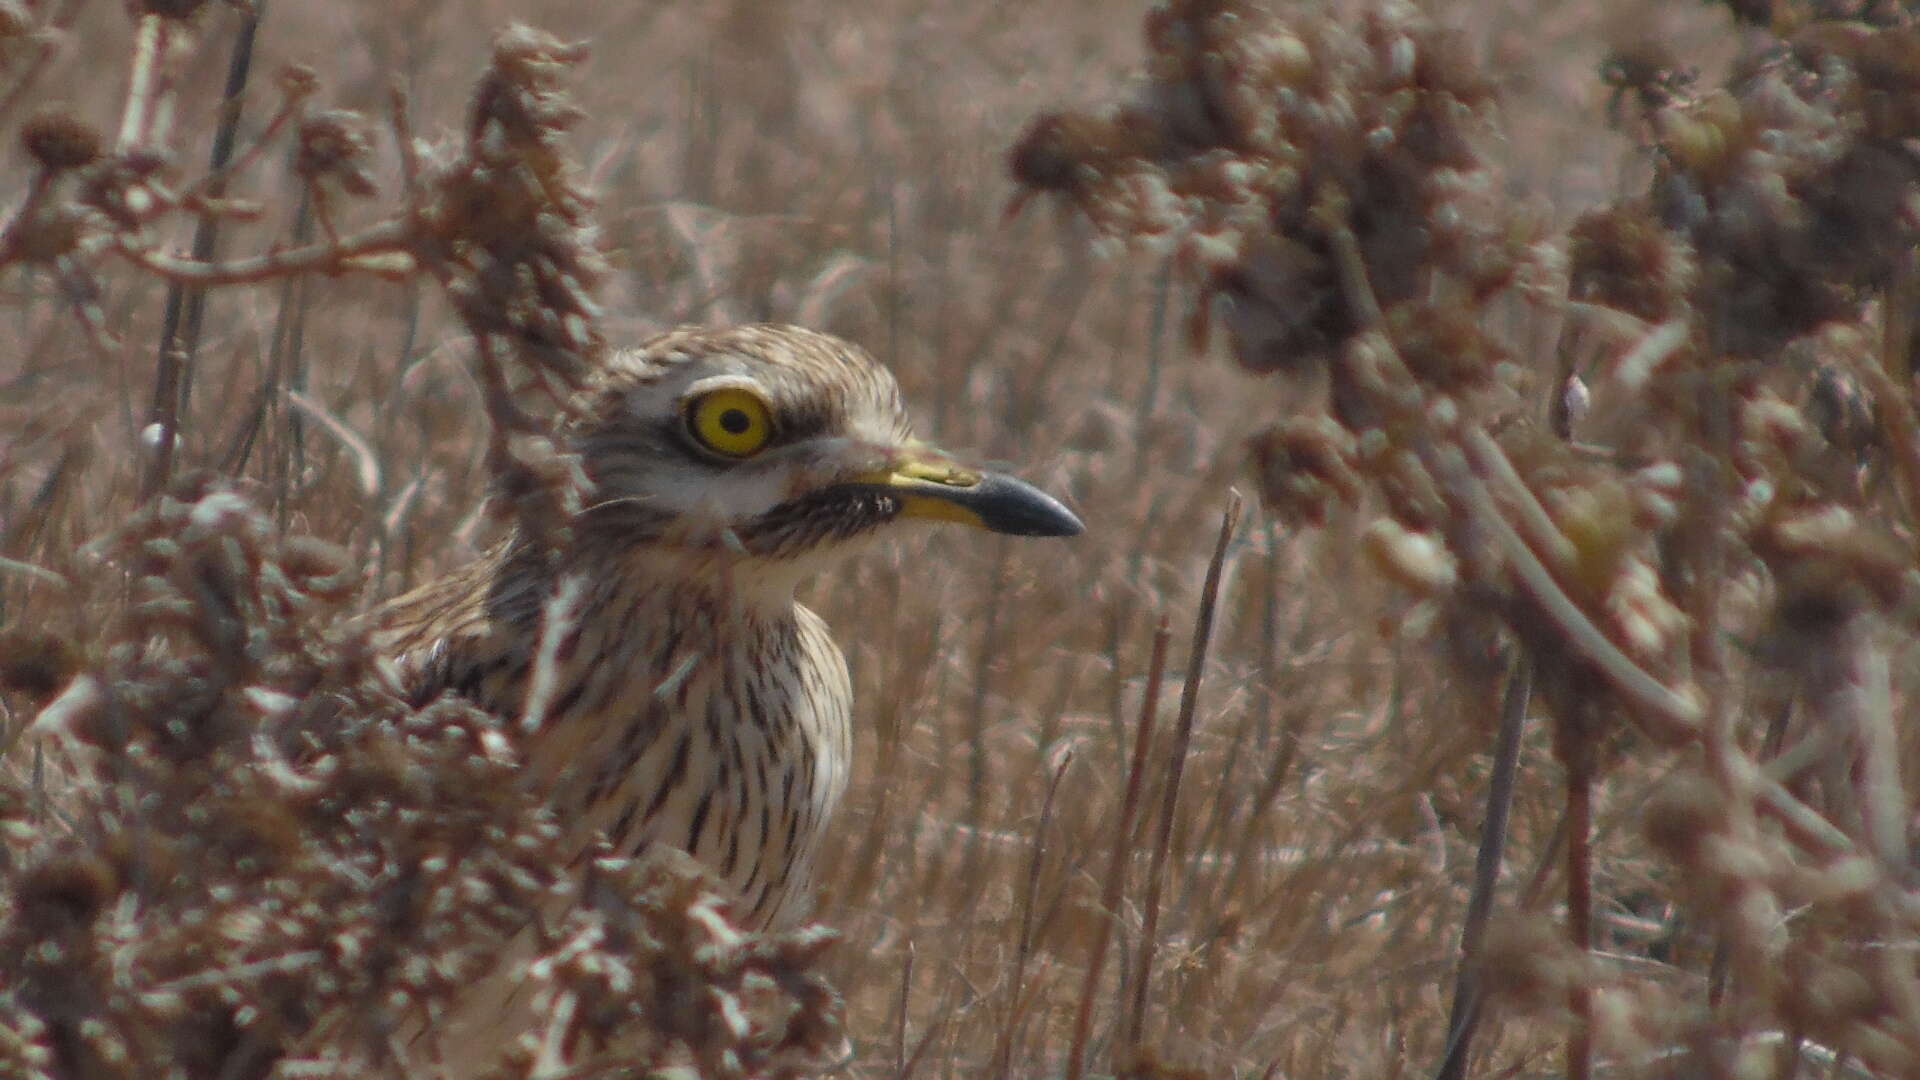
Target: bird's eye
730	421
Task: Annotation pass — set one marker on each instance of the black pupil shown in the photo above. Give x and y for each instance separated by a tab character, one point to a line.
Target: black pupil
735	422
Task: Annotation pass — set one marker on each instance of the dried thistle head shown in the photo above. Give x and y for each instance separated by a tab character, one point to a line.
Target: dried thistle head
1829	564
508	227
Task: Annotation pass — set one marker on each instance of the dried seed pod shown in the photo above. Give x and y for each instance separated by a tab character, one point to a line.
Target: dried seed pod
63	894
298	81
126	187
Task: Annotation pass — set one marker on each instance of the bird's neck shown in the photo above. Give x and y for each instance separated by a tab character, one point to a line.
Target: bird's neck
624	572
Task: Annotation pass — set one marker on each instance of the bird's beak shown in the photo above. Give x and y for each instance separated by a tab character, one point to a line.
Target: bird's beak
930	486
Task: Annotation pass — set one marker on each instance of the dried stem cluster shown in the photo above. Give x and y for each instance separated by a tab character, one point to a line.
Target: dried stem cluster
1646	468
247	855
1719	496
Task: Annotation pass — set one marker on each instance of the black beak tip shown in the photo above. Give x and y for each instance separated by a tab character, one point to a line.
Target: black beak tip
1017	508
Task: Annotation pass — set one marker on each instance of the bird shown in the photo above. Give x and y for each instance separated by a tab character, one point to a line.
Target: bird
668	687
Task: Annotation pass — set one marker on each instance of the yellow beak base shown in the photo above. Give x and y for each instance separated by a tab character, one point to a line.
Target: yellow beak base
996	502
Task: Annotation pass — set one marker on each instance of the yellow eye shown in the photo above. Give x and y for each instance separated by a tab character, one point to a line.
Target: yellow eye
730	421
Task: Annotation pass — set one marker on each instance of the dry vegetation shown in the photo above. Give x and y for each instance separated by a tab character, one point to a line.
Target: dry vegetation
1588	469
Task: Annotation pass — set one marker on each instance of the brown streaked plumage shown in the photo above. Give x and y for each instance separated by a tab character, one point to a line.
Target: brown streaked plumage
669	687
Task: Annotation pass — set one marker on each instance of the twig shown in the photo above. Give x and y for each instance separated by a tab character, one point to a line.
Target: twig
1803	822
385	238
1883	798
287	366
230	977
1638	365
37	573
559	618
209	187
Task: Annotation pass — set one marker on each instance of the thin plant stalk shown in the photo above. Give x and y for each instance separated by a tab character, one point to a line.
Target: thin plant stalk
185	313
1115	882
1464	1018
1003	1055
1182	738
1579	752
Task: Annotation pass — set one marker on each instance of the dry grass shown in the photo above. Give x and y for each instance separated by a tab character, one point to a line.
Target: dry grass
844	166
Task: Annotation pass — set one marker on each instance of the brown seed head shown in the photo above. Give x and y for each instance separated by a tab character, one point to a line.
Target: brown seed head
166	9
35	663
60	141
334	146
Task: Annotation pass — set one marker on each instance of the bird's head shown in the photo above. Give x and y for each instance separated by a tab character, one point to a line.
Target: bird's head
776	444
